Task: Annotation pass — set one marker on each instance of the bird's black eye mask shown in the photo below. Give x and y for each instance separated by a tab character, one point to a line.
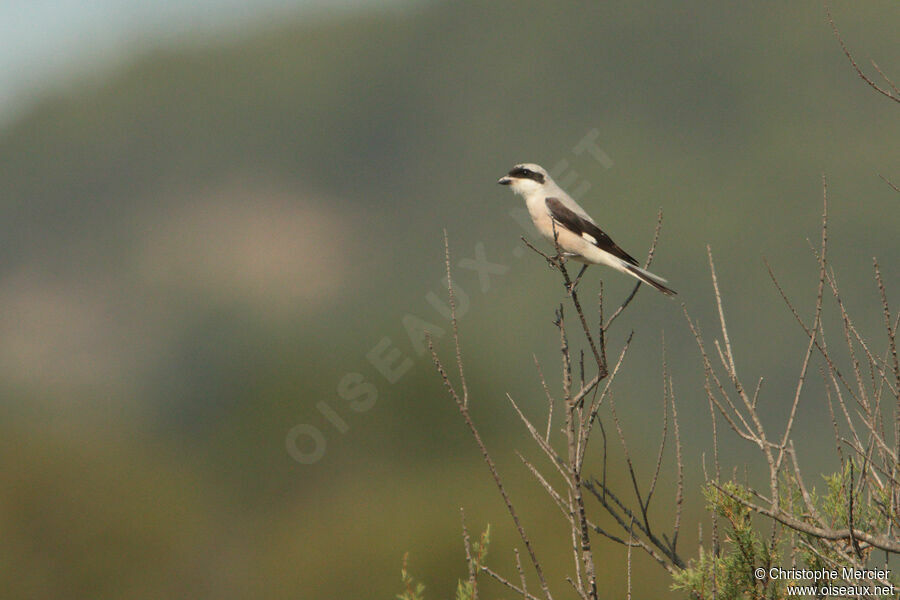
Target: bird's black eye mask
523	173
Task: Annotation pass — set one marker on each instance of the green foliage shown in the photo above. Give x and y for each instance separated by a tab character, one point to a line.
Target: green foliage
465	588
412	590
835	507
731	573
865	514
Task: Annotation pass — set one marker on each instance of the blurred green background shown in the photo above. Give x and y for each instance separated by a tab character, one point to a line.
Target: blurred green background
211	215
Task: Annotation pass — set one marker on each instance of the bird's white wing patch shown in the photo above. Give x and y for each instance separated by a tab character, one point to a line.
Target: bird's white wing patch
589	237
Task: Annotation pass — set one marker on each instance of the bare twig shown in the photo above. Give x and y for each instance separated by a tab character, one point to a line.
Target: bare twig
462	405
579	417
452	297
549	398
815	328
679	488
628	563
876	541
519	590
656	548
470	562
521	574
890	183
627	301
888	94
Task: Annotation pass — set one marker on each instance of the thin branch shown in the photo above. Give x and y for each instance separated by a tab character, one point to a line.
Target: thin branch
560	503
890	183
679	489
624	305
579	584
452	298
892	345
862	75
815	327
634	481
555	458
876	541
662	441
659	550
628	566
549	397
580	532
595	406
470	562
462	405
525	593
464	411
519	590
885	77
715	282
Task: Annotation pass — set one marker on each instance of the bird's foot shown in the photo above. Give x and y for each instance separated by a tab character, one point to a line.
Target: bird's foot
557	261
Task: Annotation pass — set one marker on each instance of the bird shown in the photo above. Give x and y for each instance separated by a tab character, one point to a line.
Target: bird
562	221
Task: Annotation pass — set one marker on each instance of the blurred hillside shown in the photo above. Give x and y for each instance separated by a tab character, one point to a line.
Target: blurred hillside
197	249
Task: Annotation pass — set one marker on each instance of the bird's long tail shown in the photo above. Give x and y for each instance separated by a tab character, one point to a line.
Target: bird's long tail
649	278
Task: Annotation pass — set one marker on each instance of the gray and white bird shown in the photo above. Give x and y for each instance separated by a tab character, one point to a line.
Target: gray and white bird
578	236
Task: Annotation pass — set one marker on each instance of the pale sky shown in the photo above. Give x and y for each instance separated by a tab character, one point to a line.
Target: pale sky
45	43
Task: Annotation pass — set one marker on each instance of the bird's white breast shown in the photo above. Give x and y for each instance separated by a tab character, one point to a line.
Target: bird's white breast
540	214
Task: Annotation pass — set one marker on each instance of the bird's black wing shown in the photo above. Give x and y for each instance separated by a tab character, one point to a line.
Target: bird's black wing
587	230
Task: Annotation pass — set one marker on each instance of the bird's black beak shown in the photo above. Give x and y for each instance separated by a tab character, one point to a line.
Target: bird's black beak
504	180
